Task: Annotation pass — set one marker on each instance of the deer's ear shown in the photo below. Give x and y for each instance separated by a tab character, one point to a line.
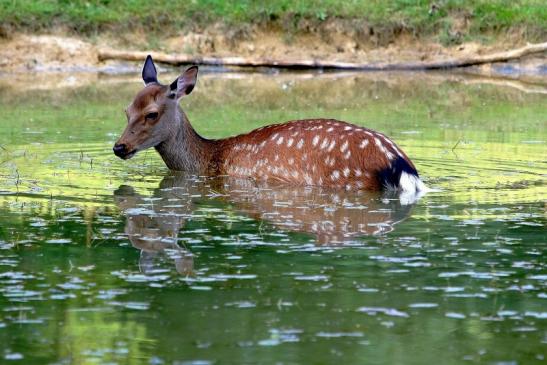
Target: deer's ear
185	83
149	73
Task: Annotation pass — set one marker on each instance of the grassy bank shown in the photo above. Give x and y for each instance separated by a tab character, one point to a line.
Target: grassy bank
448	18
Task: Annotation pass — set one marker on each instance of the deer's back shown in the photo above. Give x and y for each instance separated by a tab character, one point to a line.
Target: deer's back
321	152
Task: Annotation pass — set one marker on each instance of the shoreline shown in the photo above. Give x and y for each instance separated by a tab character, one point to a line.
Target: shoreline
58	53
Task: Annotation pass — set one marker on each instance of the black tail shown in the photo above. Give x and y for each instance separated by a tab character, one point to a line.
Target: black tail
390	176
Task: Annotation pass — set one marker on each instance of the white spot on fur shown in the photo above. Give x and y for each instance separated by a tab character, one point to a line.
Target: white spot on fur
330	129
324	143
275	136
347	155
383	148
332	144
286	173
335	175
393	146
291	161
344	146
358	172
300	144
346	172
290	142
280	140
378	143
363	143
348	128
315	140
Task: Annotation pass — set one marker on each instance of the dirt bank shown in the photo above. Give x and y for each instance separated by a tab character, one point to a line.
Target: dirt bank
333	42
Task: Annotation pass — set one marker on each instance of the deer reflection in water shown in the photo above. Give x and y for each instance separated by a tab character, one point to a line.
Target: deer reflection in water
152	227
332	217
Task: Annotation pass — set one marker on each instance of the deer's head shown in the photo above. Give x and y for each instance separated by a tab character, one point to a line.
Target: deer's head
151	117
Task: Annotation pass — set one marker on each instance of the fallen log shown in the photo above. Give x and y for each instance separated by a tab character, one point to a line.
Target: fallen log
182	59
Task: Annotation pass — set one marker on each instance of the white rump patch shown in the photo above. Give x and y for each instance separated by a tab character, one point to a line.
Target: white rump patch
412	188
409	182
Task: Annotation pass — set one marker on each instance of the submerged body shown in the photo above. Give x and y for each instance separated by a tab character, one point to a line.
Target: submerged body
315	152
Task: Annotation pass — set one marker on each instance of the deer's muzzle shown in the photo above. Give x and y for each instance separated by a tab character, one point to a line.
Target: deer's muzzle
121	151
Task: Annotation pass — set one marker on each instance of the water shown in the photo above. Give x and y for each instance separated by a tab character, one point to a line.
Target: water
110	261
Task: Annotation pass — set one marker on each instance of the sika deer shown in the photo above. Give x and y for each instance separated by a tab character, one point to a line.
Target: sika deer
320	152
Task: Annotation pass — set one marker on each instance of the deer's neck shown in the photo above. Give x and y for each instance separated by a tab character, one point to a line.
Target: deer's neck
185	149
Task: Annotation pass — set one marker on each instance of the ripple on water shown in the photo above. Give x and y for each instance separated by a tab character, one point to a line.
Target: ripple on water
339	334
387	311
279	336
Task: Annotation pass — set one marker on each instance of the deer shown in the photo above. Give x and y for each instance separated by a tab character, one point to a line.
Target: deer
326	153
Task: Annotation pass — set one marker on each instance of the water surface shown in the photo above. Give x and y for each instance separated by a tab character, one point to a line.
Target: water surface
110	261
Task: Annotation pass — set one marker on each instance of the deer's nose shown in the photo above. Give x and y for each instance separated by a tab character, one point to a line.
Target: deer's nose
120	150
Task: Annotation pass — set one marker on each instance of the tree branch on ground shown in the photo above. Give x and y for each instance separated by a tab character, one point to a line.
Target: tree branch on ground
182	59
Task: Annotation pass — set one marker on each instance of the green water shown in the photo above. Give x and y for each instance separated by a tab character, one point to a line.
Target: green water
121	262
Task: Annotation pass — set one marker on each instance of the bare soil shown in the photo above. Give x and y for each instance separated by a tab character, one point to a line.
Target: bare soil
335	41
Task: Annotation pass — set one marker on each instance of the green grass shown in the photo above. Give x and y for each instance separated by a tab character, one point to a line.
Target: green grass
167	16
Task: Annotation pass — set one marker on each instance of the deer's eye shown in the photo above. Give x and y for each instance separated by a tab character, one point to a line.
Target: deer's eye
151	116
